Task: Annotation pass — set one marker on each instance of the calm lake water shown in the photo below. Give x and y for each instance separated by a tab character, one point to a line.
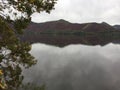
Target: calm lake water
76	67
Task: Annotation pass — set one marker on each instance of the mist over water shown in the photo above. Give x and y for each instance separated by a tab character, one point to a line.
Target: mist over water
75	67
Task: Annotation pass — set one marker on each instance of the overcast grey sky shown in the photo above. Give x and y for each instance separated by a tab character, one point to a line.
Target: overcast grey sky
82	11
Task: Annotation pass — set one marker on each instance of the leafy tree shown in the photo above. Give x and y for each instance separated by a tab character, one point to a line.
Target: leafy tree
15	15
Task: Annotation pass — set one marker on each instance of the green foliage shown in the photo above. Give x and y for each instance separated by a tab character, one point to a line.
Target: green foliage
14	54
20	11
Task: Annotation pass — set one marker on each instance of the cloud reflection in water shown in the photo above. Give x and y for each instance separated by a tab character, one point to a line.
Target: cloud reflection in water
76	67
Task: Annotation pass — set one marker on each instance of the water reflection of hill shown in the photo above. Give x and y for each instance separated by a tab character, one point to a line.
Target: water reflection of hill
63	40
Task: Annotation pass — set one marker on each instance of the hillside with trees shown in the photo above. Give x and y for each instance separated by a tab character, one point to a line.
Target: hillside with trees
62	32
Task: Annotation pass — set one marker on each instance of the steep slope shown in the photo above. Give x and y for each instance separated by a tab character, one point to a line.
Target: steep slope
97	27
62	25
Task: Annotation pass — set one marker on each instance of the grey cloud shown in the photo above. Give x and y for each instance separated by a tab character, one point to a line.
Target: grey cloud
81	11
